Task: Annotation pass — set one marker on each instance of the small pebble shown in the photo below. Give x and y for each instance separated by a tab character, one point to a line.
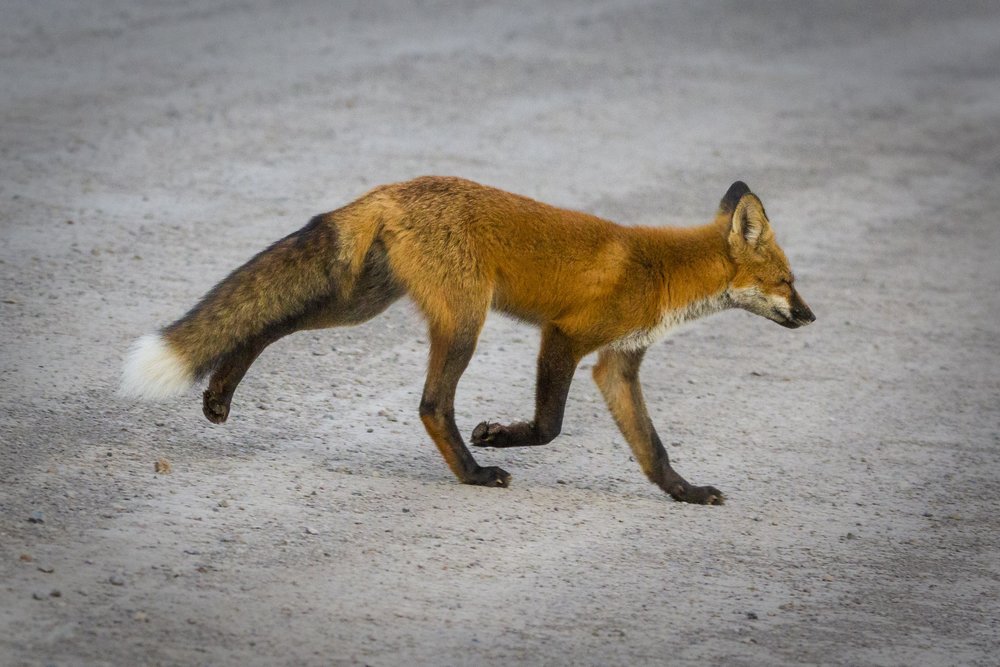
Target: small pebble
116	580
54	593
311	531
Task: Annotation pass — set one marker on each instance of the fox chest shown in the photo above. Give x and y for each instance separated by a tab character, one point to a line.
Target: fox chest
639	339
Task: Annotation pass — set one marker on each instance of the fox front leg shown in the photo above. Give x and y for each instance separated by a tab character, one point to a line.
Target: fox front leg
617	376
557	361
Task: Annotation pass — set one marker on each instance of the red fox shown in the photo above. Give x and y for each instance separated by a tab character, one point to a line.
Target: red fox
457	249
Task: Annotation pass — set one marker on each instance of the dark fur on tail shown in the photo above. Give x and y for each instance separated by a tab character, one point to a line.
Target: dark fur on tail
348	301
292	276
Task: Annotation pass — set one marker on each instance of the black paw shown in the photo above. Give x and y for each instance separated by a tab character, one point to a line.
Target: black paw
699	495
489	476
215	407
487	435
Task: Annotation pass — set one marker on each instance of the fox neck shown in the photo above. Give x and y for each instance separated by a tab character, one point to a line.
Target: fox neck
694	271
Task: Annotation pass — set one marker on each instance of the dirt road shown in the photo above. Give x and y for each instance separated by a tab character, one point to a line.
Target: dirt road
150	148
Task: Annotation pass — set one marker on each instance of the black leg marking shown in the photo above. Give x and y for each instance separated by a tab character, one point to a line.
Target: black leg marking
557	362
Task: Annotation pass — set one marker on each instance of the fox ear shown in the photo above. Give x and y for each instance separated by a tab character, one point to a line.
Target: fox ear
732	197
749	223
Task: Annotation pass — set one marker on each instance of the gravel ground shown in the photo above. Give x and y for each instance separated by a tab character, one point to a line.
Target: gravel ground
148	148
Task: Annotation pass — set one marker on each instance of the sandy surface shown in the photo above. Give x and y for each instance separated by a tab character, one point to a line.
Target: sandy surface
148	148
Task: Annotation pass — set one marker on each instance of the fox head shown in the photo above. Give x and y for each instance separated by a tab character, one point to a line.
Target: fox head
763	283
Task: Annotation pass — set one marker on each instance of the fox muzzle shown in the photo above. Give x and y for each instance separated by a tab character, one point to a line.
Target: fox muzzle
800	313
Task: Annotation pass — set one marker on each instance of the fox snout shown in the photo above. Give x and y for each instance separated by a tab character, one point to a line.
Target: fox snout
800	313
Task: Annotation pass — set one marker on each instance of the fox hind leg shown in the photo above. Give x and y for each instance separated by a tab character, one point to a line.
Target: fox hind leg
226	377
374	291
450	354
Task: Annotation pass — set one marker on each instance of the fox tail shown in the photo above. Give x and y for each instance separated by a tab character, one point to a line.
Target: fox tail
318	262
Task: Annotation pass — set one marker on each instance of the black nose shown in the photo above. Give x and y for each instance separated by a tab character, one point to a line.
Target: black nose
803	314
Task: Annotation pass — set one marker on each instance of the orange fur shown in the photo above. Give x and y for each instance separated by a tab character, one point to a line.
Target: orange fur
457	249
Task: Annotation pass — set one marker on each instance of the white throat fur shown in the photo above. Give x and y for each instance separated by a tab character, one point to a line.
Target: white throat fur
671	319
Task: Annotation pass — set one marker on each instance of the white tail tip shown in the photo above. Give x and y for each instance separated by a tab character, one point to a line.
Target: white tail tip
153	370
